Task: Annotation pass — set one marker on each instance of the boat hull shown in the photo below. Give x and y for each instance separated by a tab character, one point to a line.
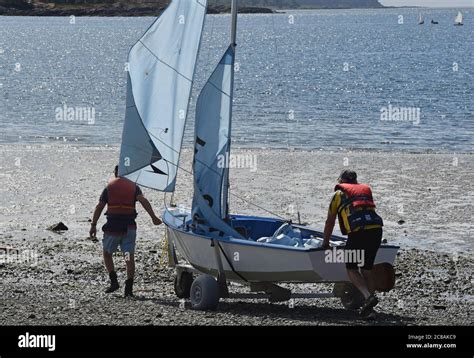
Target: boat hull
247	260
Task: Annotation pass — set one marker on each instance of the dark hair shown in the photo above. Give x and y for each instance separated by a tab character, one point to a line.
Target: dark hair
348	176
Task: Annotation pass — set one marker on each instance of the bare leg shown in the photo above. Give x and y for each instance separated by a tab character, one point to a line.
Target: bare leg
109	262
130	263
358	281
369	279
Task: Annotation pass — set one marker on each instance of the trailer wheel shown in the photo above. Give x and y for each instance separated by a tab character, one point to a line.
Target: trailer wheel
182	284
352	299
204	293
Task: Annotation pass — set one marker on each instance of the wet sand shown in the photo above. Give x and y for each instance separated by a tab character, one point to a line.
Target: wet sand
425	200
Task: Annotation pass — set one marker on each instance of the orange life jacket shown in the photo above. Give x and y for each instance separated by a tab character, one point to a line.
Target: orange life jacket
359	200
121	197
357	194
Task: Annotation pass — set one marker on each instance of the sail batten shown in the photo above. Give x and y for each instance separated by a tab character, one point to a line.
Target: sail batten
159	82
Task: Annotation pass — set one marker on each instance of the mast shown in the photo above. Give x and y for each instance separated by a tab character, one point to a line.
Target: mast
233	44
233	33
213	127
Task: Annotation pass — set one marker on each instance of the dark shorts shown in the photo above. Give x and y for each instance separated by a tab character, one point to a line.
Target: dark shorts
364	246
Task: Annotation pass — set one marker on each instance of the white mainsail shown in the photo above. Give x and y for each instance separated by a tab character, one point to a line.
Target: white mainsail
458	19
212	146
213	126
160	77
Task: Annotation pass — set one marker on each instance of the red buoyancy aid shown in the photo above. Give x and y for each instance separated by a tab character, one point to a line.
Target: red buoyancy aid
361	206
357	195
121	197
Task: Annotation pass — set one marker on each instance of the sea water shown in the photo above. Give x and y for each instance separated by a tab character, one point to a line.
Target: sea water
328	79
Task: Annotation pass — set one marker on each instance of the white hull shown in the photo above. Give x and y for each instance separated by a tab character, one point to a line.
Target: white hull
257	262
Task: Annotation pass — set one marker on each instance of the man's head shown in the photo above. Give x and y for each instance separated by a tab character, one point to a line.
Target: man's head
116	171
348	176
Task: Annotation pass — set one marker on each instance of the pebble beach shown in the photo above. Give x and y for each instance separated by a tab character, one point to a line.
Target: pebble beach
49	278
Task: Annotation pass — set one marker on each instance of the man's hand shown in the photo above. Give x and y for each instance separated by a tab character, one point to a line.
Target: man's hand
328	228
157	220
93	231
147	206
95	218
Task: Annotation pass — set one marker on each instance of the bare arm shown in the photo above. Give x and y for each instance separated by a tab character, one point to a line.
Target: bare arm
95	218
147	206
328	228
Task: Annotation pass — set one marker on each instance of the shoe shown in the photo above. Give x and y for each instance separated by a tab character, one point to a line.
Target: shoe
129	288
369	315
114	286
369	304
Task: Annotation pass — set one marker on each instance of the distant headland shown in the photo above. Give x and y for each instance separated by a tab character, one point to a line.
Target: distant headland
155	7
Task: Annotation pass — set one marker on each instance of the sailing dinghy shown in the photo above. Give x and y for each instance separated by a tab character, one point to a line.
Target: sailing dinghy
421	21
458	19
218	247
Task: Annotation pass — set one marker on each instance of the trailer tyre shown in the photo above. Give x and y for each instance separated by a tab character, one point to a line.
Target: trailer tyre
352	299
182	284
204	293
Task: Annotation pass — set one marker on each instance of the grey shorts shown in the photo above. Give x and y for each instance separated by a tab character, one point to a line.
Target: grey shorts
126	241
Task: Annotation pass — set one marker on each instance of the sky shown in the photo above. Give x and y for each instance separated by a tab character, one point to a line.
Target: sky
429	3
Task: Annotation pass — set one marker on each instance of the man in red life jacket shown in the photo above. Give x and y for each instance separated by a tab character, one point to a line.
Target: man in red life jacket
354	207
120	196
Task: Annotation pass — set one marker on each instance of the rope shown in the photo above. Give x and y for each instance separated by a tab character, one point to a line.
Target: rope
279	68
230	264
234	195
164	252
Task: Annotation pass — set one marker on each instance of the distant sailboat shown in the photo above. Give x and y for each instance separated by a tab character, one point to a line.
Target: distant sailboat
421	21
458	19
434	22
